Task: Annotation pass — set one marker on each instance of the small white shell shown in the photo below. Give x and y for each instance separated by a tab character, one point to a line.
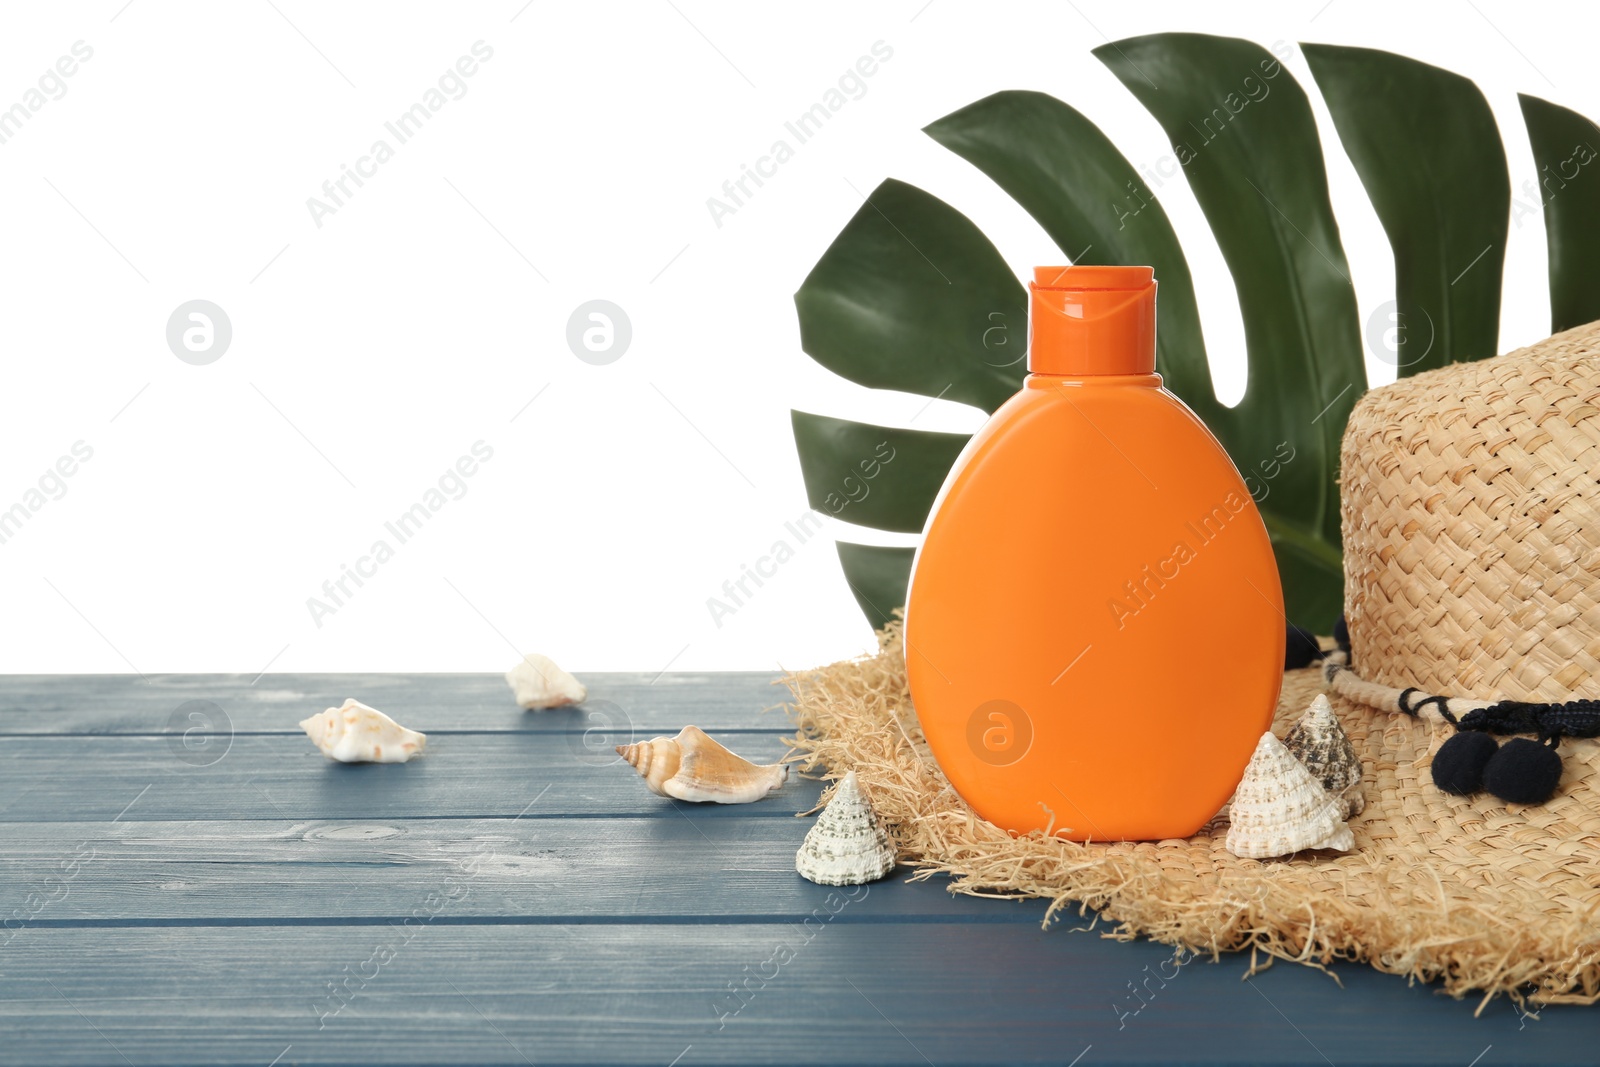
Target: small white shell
1318	741
1280	808
537	683
847	846
355	733
693	767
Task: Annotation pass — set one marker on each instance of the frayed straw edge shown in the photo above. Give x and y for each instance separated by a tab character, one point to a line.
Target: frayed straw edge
849	717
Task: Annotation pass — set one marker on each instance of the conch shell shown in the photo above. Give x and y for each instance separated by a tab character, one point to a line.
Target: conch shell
1318	741
538	683
692	766
1280	808
846	846
355	733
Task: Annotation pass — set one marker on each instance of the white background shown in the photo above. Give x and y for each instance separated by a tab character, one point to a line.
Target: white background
370	353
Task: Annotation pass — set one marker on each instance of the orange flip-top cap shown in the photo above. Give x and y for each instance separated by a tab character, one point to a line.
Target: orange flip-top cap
1092	320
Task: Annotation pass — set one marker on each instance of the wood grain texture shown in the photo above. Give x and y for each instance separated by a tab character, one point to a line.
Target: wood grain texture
516	896
274	703
95	778
650	994
687	869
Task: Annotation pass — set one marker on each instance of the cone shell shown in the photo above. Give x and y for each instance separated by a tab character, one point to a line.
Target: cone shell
537	683
355	733
1318	741
1280	808
693	767
846	846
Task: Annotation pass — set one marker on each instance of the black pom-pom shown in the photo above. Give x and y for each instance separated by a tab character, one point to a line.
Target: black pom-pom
1300	649
1341	634
1522	772
1459	763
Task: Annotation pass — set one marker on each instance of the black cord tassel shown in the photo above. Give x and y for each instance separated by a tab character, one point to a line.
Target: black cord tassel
1523	771
1300	648
1576	718
1520	771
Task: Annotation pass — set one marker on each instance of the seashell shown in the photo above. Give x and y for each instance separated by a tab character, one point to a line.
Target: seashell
538	683
1318	741
846	846
1280	808
693	767
355	733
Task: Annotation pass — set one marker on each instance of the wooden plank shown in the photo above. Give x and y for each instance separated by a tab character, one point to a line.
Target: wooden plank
534	870
517	896
645	702
83	778
666	994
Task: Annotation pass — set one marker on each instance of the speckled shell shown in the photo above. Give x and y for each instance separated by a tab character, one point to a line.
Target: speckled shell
355	733
1318	741
537	683
846	846
693	767
1280	808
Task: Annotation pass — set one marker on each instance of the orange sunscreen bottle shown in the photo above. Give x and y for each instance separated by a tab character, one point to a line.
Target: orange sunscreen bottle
1094	630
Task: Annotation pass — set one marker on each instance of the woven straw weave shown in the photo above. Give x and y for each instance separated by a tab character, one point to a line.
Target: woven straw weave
1472	557
1481	897
1472	526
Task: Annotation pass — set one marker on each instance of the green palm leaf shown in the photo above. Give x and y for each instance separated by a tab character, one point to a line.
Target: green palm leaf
1094	205
1446	210
911	295
877	577
875	476
1565	149
1243	131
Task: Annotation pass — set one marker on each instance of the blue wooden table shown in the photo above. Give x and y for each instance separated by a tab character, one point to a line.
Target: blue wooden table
185	879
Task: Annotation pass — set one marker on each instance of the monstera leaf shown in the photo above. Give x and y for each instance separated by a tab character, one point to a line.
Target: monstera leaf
911	295
1565	149
1447	263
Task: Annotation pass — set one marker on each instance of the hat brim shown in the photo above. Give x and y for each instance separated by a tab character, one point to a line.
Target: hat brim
1480	896
1527	876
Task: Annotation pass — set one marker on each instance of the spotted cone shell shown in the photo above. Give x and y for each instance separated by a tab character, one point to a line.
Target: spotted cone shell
1280	808
1318	741
846	846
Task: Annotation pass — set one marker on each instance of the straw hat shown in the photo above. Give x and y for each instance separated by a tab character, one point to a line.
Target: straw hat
1471	517
1472	557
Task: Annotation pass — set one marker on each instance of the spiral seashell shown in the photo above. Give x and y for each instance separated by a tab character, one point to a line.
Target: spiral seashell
847	846
1280	808
1317	740
355	733
656	761
693	767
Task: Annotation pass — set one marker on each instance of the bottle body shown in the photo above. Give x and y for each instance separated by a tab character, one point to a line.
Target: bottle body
1094	628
